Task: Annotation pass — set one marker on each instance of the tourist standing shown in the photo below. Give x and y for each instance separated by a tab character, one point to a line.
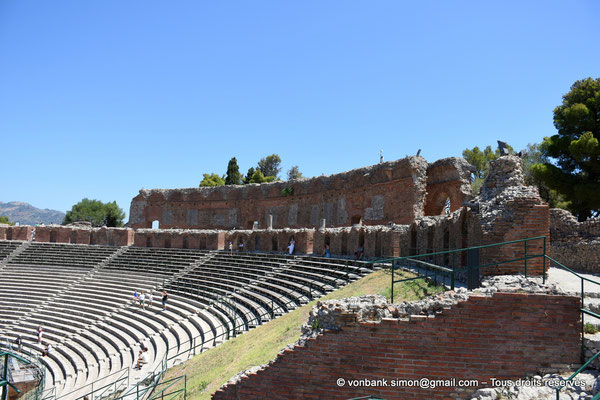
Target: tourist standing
165	297
40	333
150	299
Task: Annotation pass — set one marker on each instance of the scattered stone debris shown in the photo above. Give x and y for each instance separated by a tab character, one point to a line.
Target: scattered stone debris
585	386
335	314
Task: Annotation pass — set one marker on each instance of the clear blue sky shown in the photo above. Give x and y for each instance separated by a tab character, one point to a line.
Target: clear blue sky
101	98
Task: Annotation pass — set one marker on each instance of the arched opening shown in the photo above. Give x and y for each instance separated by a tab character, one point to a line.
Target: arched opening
464	238
53	236
378	250
155	224
74	237
202	242
274	244
327	240
256	242
167	243
356	220
148	241
361	239
186	244
446	246
344	243
413	241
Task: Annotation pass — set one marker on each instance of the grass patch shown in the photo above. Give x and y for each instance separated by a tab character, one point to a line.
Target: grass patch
209	370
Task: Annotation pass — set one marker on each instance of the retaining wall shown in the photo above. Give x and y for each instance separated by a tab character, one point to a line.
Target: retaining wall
506	336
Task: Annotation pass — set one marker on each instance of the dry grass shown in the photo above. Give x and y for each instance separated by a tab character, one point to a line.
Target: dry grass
209	370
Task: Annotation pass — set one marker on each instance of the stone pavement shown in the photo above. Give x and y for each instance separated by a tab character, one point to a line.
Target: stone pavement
572	284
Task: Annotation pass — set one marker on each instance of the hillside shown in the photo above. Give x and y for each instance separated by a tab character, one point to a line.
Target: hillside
209	370
26	214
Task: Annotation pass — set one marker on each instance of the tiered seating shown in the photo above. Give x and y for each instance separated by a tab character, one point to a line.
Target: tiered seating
244	290
155	261
57	254
7	247
82	296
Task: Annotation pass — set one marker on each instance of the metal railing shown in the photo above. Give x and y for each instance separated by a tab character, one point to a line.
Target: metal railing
449	268
241	319
448	264
99	392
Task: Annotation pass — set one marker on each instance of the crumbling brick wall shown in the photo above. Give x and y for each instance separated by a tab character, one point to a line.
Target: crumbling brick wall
506	336
509	210
387	192
574	244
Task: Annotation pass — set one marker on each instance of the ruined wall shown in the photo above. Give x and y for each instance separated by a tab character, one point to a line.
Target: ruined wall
76	234
449	178
574	244
387	192
12	232
509	210
504	336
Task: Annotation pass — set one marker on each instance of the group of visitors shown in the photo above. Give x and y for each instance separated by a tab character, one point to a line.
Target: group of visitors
145	299
47	347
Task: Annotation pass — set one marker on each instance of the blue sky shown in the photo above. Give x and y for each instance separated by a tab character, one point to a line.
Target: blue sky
101	98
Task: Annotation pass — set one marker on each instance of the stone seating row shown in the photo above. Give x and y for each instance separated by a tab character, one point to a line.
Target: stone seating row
95	328
89	316
7	247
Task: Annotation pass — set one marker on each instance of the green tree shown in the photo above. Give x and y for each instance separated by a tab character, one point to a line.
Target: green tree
481	161
270	165
233	173
574	170
533	156
249	175
258	177
212	180
294	173
96	212
4	220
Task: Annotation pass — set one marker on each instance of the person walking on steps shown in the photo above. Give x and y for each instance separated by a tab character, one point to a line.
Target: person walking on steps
165	297
40	334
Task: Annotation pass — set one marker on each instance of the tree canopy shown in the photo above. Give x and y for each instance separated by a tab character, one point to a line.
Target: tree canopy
96	212
573	164
4	220
258	177
233	176
212	180
294	173
270	165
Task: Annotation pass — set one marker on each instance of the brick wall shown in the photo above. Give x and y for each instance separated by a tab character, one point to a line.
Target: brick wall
525	218
507	336
392	191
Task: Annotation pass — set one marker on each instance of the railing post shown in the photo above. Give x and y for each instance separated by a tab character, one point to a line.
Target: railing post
272	310
525	257
194	348
452	280
582	325
184	387
544	262
392	289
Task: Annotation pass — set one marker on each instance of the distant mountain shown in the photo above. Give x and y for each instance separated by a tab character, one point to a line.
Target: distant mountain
26	214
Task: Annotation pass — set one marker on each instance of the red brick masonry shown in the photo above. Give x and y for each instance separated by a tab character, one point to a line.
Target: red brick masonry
507	336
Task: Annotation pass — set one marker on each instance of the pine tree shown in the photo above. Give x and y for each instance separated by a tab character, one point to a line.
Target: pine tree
233	173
